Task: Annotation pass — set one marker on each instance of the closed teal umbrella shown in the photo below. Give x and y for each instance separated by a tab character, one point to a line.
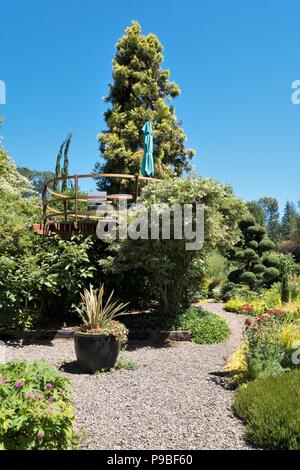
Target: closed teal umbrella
148	162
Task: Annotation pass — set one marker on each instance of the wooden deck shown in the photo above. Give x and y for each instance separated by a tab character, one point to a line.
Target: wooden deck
70	219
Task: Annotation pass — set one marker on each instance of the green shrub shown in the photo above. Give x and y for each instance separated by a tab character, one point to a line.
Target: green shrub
250	254
271	261
259	268
45	281
248	278
256	230
271	274
285	288
36	410
252	244
265	351
234	276
270	408
204	326
231	290
266	244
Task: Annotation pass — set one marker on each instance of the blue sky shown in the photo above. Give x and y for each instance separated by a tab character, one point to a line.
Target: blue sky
234	61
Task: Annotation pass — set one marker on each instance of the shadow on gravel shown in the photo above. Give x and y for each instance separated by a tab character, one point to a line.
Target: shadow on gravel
150	343
221	379
71	368
21	343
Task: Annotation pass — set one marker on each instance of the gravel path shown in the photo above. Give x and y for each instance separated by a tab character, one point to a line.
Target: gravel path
173	400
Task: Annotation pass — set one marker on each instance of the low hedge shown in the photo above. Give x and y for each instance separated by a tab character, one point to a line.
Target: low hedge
204	326
270	407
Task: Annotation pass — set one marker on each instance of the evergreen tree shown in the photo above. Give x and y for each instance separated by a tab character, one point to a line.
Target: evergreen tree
56	186
36	178
285	288
65	170
270	209
289	222
140	91
258	265
257	212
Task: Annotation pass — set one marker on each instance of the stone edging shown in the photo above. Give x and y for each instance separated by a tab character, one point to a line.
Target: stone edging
142	335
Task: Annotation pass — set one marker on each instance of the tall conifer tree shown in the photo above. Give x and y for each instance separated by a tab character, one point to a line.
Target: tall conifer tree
141	90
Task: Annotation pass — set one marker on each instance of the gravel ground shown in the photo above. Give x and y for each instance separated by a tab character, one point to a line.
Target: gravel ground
175	398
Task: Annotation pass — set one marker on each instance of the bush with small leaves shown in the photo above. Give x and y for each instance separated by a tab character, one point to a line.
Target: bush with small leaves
248	278
271	274
252	244
255	231
270	408
266	244
271	261
259	268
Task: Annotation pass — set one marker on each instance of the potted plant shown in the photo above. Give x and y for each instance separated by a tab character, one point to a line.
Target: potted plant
98	340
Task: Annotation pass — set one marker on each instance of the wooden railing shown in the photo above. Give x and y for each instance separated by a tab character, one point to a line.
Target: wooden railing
49	211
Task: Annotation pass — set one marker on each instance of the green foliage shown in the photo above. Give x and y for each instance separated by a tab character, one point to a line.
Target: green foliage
270	210
17	212
65	169
248	278
251	252
173	271
285	288
140	91
266	244
271	274
56	185
271	261
126	365
264	349
36	408
270	408
256	211
46	280
290	223
12	183
259	268
231	289
206	327
36	178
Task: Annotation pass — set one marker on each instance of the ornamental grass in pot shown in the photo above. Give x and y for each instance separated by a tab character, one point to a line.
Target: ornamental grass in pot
98	340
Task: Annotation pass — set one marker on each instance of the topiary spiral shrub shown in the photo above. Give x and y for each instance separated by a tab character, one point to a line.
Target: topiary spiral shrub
258	265
270	408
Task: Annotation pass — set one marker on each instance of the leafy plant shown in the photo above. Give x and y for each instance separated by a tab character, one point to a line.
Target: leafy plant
44	281
36	408
98	317
270	408
173	272
265	351
205	327
95	313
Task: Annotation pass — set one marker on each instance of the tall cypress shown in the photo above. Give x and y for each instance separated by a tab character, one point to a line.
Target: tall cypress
65	170
56	185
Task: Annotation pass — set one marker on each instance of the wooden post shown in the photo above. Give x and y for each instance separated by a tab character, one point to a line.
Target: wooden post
136	188
76	199
66	209
44	202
